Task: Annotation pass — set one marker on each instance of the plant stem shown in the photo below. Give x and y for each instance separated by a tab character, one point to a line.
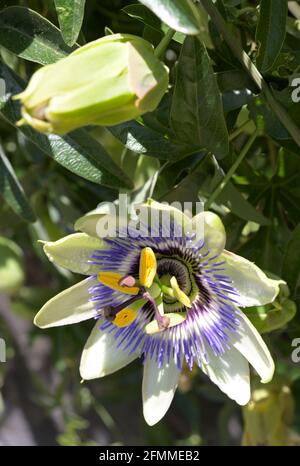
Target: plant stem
162	46
238	130
124	153
231	171
155	178
245	60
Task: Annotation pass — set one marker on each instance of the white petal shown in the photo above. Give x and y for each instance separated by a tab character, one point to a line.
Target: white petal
252	284
230	371
159	386
68	307
88	224
101	356
251	345
206	225
210	226
74	252
164	213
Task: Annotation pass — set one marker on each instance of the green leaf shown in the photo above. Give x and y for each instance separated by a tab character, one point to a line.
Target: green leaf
143	140
12	191
142	14
289	100
158	120
232	2
181	15
196	112
235	201
187	190
70	16
236	87
175	173
270	32
231	197
291	261
28	35
77	151
260	111
272	317
11	266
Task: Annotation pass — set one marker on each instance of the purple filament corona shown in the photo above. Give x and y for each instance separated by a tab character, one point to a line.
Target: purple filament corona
214	314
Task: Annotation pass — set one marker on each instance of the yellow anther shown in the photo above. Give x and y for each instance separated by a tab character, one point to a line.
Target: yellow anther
175	319
21	122
125	317
112	279
179	294
148	267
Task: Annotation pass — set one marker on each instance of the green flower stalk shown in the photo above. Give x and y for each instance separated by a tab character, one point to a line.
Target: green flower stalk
106	82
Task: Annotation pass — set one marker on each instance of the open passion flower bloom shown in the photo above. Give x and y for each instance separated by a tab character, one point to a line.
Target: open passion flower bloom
169	300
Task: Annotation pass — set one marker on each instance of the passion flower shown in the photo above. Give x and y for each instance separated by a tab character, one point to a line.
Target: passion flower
169	300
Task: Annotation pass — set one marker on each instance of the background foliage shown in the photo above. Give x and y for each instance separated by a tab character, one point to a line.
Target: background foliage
226	133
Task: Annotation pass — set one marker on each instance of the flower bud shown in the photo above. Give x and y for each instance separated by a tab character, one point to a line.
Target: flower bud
105	82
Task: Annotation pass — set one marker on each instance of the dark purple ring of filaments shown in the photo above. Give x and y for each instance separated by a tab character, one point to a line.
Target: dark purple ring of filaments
209	322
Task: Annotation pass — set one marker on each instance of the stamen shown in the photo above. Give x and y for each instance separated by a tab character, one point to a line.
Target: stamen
125	317
128	280
110	312
148	267
174	319
112	280
179	294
